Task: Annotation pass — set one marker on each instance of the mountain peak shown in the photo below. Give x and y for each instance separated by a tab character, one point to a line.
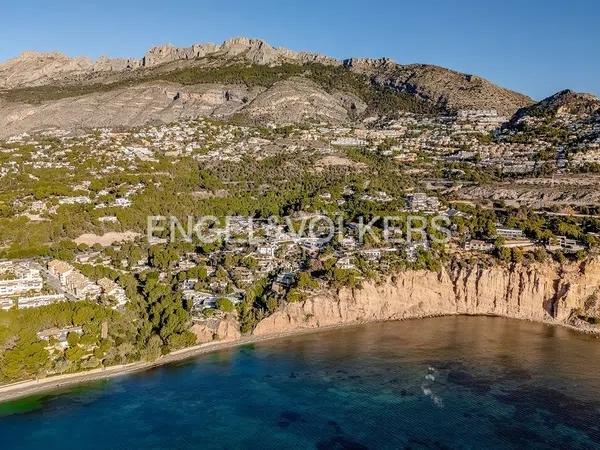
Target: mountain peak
563	103
569	102
570	95
368	64
241	41
254	51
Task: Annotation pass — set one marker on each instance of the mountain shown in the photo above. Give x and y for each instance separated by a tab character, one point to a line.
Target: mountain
38	69
562	103
569	119
244	77
443	87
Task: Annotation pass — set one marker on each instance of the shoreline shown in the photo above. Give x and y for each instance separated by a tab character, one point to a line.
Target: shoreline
21	389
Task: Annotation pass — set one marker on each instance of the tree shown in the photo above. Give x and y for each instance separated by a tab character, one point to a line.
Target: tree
74	354
224	304
517	255
163	258
540	254
272	304
306	281
153	348
84	315
73	339
504	253
294	295
250	263
25	360
181	340
344	277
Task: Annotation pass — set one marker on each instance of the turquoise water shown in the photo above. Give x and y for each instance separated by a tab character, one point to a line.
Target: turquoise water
454	382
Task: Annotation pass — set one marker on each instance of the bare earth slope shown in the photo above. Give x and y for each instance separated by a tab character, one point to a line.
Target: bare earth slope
288	101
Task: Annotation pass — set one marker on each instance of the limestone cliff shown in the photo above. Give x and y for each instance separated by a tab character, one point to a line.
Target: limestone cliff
227	329
546	292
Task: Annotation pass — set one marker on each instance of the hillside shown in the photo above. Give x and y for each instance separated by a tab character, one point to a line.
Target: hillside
562	103
243	77
443	87
568	118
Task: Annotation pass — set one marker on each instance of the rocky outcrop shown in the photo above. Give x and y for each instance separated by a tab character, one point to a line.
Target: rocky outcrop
169	53
543	292
298	100
39	69
155	102
210	330
369	66
254	51
443	87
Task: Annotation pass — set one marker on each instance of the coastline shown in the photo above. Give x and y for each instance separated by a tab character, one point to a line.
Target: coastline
15	391
20	389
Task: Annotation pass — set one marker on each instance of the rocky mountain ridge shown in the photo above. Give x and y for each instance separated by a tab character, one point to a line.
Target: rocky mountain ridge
38	69
51	90
440	86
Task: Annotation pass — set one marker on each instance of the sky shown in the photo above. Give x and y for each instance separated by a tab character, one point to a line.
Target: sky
531	46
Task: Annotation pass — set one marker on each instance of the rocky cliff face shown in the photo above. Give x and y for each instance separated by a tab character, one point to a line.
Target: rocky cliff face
227	329
294	100
544	292
447	88
40	69
254	51
128	106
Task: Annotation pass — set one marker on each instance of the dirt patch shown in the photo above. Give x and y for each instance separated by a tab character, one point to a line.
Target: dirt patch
106	239
337	160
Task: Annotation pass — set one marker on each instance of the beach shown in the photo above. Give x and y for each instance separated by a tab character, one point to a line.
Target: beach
31	387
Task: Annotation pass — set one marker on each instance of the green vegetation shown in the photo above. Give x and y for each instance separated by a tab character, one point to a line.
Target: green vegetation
273	181
225	305
155	322
331	78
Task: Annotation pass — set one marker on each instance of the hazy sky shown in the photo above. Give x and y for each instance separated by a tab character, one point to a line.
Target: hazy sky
536	47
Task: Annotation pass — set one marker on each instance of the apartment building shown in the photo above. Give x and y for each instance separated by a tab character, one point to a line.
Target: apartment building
509	233
39	300
18	278
113	290
73	280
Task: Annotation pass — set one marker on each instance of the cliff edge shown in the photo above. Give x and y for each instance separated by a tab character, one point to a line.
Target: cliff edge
545	292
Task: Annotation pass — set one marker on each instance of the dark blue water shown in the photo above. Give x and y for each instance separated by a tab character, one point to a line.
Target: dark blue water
455	382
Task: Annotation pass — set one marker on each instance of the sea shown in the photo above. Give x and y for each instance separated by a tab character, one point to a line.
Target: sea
449	382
